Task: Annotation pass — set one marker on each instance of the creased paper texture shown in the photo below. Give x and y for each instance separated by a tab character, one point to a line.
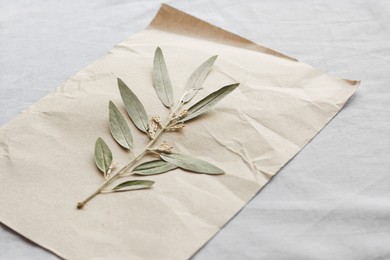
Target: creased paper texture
46	153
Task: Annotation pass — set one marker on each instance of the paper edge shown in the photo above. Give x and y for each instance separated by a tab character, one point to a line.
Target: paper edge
28	240
175	21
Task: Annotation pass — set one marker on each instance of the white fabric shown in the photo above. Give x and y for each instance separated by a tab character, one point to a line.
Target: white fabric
330	202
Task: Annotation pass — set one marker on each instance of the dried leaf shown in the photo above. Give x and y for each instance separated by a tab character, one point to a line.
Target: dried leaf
161	81
190	163
153	167
134	107
103	155
194	83
206	103
119	128
133	185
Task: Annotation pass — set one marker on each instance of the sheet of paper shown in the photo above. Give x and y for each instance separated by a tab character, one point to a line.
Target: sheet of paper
46	153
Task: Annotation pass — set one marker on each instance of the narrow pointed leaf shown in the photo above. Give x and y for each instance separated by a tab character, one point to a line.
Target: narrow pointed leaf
134	107
190	163
134	185
153	167
103	155
194	83
206	103
120	130
161	81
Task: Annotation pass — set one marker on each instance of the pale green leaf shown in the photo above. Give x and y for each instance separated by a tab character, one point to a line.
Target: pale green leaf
190	163
206	103
119	128
153	167
134	107
133	185
194	83
161	81
103	155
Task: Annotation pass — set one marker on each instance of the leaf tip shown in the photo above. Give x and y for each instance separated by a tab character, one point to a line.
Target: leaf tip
221	172
121	84
158	52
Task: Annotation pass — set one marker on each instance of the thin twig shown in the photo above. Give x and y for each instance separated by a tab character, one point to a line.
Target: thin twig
123	172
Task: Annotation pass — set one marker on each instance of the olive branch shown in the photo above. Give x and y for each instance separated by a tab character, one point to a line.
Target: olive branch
154	128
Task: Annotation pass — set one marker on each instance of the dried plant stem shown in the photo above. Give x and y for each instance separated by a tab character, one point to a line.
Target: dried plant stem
122	171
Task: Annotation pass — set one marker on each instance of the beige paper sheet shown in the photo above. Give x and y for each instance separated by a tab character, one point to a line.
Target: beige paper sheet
46	153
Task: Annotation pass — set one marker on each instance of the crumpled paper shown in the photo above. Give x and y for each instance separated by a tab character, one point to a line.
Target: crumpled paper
46	153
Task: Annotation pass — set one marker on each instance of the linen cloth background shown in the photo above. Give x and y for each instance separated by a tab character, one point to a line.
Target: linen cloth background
331	202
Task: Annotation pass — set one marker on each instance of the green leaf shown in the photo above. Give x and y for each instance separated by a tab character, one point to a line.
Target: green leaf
134	185
153	167
190	163
194	83
103	155
119	128
134	107
206	103
162	83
